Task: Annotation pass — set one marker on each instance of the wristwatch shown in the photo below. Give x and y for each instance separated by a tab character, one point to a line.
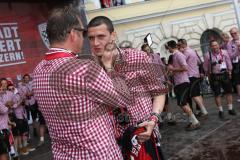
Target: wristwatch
154	114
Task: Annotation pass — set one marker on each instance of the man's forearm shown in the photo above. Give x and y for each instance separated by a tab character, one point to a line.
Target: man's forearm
180	69
158	103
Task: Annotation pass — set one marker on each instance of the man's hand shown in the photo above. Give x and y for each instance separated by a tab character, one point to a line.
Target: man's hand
9	104
108	56
170	68
144	136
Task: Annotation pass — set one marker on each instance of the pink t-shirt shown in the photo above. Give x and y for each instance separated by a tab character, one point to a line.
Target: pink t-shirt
233	52
179	60
193	62
216	57
20	111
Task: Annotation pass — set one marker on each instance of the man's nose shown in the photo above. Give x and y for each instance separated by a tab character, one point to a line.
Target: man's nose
96	41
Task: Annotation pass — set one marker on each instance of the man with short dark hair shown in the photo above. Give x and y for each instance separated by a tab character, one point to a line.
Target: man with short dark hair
193	62
148	92
182	83
160	67
218	66
32	108
75	95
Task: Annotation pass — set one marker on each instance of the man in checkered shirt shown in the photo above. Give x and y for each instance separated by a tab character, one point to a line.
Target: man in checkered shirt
148	92
74	95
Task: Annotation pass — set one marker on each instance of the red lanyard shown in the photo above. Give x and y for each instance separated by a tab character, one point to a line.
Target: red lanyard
58	53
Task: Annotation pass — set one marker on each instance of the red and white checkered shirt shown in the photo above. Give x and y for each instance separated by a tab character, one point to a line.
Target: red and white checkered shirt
72	95
143	81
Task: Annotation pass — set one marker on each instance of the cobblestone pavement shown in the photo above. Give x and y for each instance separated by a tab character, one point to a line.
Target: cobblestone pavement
216	140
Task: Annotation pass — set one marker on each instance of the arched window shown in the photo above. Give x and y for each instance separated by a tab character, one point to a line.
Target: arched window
209	35
163	51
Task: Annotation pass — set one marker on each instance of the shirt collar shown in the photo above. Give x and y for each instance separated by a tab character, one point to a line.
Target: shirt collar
55	50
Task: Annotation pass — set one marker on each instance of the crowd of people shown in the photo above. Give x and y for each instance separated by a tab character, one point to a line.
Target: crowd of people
109	107
17	108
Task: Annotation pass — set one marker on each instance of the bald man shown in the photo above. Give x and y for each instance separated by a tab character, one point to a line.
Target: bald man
234	54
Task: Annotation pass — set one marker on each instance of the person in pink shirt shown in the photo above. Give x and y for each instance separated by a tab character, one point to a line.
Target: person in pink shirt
6	103
160	68
218	67
193	62
154	56
232	45
179	68
226	41
234	54
30	103
32	108
20	131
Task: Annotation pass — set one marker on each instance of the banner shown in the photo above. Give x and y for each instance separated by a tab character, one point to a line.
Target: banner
23	40
10	47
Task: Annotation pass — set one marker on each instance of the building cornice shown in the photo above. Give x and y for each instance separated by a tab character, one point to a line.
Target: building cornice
170	12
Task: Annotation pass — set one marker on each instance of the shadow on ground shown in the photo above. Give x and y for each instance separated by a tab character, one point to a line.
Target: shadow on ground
216	140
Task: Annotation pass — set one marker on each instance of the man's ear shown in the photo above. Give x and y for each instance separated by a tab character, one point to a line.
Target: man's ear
72	36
